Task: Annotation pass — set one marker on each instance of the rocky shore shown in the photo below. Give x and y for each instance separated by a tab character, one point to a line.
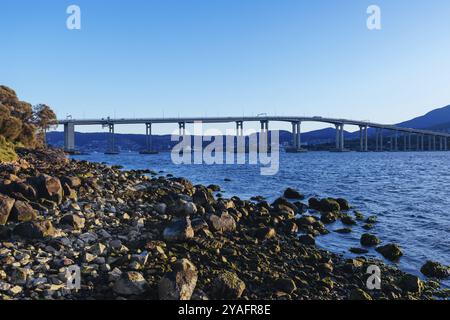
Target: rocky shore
138	235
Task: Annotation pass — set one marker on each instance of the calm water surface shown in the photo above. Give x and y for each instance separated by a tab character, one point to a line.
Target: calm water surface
408	192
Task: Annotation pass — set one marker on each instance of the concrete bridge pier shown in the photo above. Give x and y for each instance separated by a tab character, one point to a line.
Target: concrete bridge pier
111	149
434	143
296	138
396	141
69	137
441	144
363	135
422	142
264	138
148	140
430	148
340	144
409	142
182	129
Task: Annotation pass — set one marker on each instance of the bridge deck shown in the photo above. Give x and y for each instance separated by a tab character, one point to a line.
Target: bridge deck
108	121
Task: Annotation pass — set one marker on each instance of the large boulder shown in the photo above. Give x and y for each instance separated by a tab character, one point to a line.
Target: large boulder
434	269
223	223
285	285
411	283
179	229
324	205
35	230
23	212
180	283
6	205
290	193
390	251
227	286
343	204
71	181
130	284
48	187
203	196
369	240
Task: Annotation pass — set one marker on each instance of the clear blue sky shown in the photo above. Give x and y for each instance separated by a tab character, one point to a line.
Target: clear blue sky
228	57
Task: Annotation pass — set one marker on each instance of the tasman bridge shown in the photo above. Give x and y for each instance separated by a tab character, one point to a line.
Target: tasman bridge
425	139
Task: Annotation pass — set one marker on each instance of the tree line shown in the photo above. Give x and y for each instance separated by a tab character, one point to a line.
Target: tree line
22	123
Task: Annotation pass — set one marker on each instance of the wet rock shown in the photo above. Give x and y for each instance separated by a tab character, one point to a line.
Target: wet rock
180	283
390	251
290	193
227	286
411	283
35	230
343	204
434	269
307	240
328	217
130	284
369	240
348	220
179	229
306	221
343	230
358	250
285	285
359	294
6	205
314	203
73	221
214	188
23	212
224	223
329	205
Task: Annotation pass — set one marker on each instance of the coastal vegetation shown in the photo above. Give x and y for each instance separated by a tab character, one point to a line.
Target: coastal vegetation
21	124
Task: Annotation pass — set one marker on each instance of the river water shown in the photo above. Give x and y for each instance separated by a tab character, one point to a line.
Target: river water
408	192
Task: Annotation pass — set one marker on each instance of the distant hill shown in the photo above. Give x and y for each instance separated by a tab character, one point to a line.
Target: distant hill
433	119
438	120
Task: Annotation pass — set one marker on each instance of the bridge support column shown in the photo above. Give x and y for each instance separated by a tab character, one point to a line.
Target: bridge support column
381	140
441	144
264	138
182	129
69	137
409	142
340	143
434	143
296	138
396	141
148	140
111	149
363	139
376	140
430	140
445	143
366	139
338	137
240	139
